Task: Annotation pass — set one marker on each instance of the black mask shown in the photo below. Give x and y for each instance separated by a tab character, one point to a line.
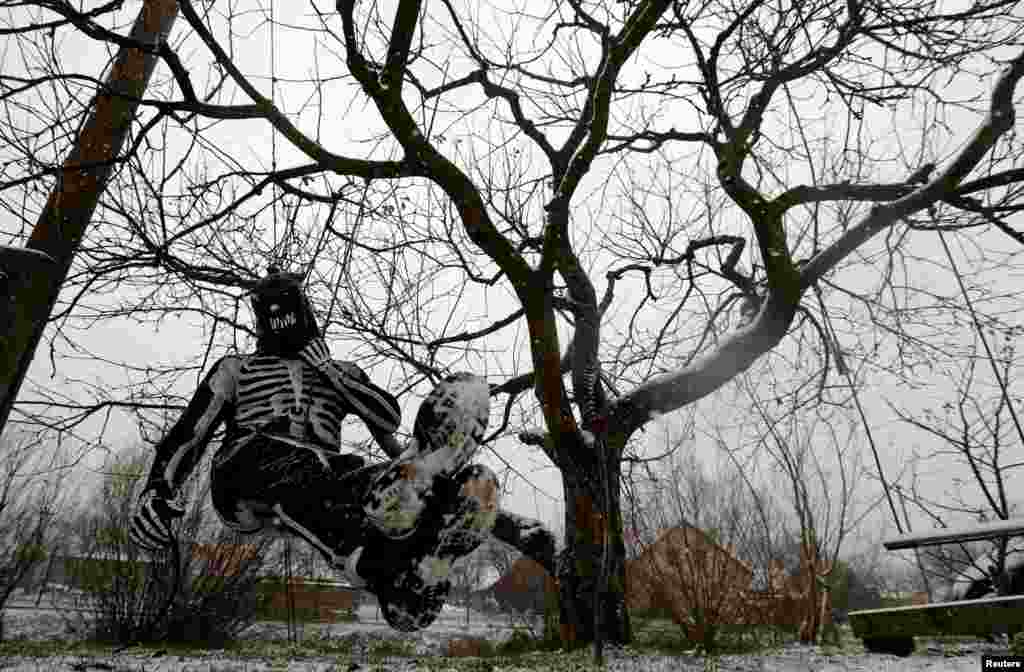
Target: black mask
284	317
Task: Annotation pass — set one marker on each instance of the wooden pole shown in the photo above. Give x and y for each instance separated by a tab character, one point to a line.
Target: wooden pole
82	179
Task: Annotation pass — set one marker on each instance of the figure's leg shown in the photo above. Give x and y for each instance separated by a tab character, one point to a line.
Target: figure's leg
528	536
468	514
447	433
427	508
418	484
315	497
412	591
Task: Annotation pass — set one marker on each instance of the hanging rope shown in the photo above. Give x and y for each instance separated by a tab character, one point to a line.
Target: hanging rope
293	628
273	133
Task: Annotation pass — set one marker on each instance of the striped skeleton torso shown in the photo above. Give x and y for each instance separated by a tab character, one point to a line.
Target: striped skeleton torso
273	396
288	397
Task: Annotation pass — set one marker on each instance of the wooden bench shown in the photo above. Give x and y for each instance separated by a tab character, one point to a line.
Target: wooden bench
893	630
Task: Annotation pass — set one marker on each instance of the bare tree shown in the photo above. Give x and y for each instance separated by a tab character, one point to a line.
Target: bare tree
34	495
816	458
615	206
699	540
977	432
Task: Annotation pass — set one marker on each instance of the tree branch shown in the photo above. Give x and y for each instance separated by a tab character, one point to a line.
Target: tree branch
1000	119
737	352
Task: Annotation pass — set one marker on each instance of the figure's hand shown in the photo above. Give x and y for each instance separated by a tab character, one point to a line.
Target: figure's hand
375	406
151	523
316	354
351	370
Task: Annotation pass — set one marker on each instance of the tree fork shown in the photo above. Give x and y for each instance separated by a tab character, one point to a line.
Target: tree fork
69	209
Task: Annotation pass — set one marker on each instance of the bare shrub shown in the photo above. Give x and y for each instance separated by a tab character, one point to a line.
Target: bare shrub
693	535
204	591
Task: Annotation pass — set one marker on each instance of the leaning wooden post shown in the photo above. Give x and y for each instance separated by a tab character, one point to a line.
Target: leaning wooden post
30	296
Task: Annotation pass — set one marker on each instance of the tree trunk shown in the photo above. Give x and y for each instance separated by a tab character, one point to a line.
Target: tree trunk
813	570
581	565
81	181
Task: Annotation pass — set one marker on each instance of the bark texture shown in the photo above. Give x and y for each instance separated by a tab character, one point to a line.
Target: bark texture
80	183
584	563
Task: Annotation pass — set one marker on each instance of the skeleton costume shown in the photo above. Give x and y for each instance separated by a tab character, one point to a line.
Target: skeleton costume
395	527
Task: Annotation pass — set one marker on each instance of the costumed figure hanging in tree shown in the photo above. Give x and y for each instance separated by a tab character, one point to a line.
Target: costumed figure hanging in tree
394	527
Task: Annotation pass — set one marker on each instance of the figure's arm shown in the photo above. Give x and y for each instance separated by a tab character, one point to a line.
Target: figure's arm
178	453
388	441
182	448
377	407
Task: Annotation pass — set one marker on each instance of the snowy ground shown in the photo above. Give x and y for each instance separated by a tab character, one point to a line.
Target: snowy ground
29	623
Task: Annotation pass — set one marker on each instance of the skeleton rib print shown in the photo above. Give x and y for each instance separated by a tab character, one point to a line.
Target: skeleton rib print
269	393
304	405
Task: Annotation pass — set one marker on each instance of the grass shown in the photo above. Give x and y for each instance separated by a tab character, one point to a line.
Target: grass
46	649
311	647
278	656
520	653
535	661
274	655
658	635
